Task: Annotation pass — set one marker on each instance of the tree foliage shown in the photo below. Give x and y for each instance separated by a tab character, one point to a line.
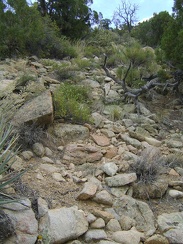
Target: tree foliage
73	17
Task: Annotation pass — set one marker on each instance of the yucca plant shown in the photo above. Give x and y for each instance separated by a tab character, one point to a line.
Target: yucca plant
8	151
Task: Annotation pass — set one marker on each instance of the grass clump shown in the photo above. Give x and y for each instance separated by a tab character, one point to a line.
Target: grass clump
148	166
72	103
8	152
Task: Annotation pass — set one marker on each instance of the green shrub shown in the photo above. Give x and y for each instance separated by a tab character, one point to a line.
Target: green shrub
72	103
8	151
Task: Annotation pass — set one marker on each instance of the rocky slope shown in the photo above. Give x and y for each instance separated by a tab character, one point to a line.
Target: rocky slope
116	181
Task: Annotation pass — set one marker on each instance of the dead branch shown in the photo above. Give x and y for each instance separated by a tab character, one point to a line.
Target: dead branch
135	93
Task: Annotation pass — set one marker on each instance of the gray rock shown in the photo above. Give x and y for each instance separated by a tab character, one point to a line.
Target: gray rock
174	143
103	197
90	83
137	210
98	224
126	222
121	179
47	160
70	132
113	225
132	141
108	242
170	221
63	224
91	218
27	155
38	149
152	141
88	191
175	194
110	168
39	110
127	237
42	206
95	235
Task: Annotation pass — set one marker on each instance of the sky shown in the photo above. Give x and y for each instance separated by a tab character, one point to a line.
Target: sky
145	11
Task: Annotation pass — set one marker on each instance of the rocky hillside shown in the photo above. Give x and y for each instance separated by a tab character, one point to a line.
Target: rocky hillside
116	180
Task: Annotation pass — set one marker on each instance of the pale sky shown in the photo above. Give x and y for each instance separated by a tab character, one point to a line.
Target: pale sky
146	7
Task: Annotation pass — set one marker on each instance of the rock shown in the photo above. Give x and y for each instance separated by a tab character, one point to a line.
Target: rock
108	242
63	224
6	87
98	119
131	141
24	222
39	110
110	168
58	177
101	140
138	211
126	222
47	160
98	224
88	191
113	225
171	225
179	170
174	144
80	154
70	132
173	172
91	218
111	152
121	179
42	207
48	168
90	83
153	141
103	197
127	237
27	155
95	235
38	149
103	214
119	191
157	239
48	152
175	194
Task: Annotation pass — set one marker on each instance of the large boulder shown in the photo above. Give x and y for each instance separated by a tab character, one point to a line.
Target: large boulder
39	110
138	211
63	224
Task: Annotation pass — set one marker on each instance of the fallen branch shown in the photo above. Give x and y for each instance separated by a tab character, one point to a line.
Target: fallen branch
135	93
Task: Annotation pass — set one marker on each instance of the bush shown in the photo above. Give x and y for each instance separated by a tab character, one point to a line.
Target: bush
30	134
148	166
72	103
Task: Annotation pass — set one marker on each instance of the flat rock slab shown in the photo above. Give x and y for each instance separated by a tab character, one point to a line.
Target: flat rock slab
101	140
81	153
121	179
70	132
39	110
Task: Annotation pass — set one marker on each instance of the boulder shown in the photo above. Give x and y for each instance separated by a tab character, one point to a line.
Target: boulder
63	224
139	211
121	179
70	132
39	110
24	222
80	154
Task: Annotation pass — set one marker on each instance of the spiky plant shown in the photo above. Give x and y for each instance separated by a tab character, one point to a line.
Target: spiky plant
8	151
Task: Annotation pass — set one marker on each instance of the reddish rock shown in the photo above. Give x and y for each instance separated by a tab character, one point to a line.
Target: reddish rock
101	140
